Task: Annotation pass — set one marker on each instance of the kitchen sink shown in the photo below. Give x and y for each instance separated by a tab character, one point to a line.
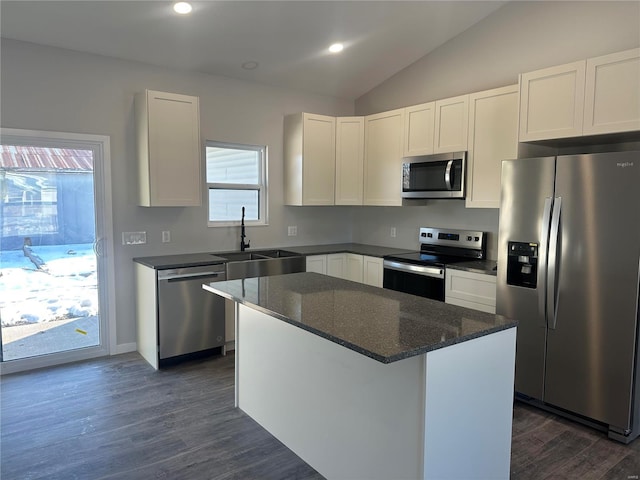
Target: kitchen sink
276	253
262	263
240	256
255	255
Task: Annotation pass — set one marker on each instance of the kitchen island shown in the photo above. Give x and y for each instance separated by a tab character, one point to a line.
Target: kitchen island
363	382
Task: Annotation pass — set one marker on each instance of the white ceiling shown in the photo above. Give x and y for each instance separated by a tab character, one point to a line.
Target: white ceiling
288	39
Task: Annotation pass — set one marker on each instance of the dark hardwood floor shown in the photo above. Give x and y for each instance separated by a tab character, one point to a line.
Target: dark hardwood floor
117	418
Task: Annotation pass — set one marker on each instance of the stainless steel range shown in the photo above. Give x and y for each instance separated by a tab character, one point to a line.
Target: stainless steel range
422	273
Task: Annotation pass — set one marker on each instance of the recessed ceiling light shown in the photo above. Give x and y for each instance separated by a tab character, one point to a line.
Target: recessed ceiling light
182	8
336	48
250	65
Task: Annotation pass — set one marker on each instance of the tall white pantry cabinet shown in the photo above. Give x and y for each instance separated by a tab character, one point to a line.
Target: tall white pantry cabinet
169	152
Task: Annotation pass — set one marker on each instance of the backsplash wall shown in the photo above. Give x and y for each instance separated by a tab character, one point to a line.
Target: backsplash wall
374	223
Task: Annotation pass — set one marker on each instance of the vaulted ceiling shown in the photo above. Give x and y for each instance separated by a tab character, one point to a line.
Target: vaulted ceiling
288	40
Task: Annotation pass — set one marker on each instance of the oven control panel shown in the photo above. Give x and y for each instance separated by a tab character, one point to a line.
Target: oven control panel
452	238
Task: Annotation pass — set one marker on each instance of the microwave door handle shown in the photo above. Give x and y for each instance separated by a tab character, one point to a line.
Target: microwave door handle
447	175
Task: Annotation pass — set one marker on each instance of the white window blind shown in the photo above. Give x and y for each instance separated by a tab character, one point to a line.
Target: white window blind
235	177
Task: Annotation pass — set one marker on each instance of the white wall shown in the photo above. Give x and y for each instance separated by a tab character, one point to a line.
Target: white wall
517	38
46	88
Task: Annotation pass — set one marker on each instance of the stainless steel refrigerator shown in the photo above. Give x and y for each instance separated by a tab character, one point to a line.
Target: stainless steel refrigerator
569	272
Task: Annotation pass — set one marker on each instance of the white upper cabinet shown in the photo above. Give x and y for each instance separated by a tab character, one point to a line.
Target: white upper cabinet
612	93
309	159
493	137
169	158
349	160
590	97
552	102
419	126
451	124
383	158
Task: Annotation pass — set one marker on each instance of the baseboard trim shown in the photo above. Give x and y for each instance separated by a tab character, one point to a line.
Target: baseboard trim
124	348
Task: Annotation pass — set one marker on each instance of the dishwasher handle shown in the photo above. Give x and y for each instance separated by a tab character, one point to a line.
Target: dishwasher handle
176	277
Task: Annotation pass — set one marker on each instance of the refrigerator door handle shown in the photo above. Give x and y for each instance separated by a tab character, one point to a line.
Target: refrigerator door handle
542	261
552	299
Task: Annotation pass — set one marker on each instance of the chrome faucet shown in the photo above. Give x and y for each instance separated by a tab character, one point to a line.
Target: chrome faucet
243	245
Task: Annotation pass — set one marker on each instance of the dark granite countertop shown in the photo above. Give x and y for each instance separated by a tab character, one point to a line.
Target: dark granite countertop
487	267
182	260
382	324
162	262
358	248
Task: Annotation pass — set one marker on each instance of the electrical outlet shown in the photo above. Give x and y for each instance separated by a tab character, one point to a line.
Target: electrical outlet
292	231
166	236
393	231
134	238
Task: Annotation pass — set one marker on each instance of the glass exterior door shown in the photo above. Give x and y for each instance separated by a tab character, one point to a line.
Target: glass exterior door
49	301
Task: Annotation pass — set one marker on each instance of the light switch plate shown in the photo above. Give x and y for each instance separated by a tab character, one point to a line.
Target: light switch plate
292	231
134	238
166	236
393	231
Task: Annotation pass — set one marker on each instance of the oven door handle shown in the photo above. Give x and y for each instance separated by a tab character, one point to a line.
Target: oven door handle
435	272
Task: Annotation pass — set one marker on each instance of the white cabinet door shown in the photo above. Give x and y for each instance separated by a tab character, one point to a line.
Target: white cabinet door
337	265
419	125
309	157
317	264
354	267
493	137
451	124
471	290
612	93
552	102
349	160
383	158
169	159
372	271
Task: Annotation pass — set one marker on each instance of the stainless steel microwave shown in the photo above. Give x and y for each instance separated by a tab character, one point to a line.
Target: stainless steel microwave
434	176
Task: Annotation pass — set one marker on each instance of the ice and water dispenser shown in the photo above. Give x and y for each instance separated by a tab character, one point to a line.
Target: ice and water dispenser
522	264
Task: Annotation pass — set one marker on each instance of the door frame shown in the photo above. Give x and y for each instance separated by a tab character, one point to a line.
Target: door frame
105	264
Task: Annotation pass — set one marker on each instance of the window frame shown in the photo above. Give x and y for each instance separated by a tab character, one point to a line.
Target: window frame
261	187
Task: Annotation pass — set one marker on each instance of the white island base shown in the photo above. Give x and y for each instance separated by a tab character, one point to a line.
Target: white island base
445	414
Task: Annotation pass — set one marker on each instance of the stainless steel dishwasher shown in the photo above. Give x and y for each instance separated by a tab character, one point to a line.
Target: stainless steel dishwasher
190	319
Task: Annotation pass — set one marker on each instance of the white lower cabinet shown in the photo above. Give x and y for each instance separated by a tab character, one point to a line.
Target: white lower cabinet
471	290
317	264
350	266
372	271
337	265
354	267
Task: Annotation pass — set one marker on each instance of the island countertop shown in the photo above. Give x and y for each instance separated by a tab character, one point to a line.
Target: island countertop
382	324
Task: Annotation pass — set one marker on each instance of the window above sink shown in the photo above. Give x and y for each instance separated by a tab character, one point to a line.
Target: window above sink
236	177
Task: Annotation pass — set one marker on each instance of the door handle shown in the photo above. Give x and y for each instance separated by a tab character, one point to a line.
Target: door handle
552	269
98	247
542	260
